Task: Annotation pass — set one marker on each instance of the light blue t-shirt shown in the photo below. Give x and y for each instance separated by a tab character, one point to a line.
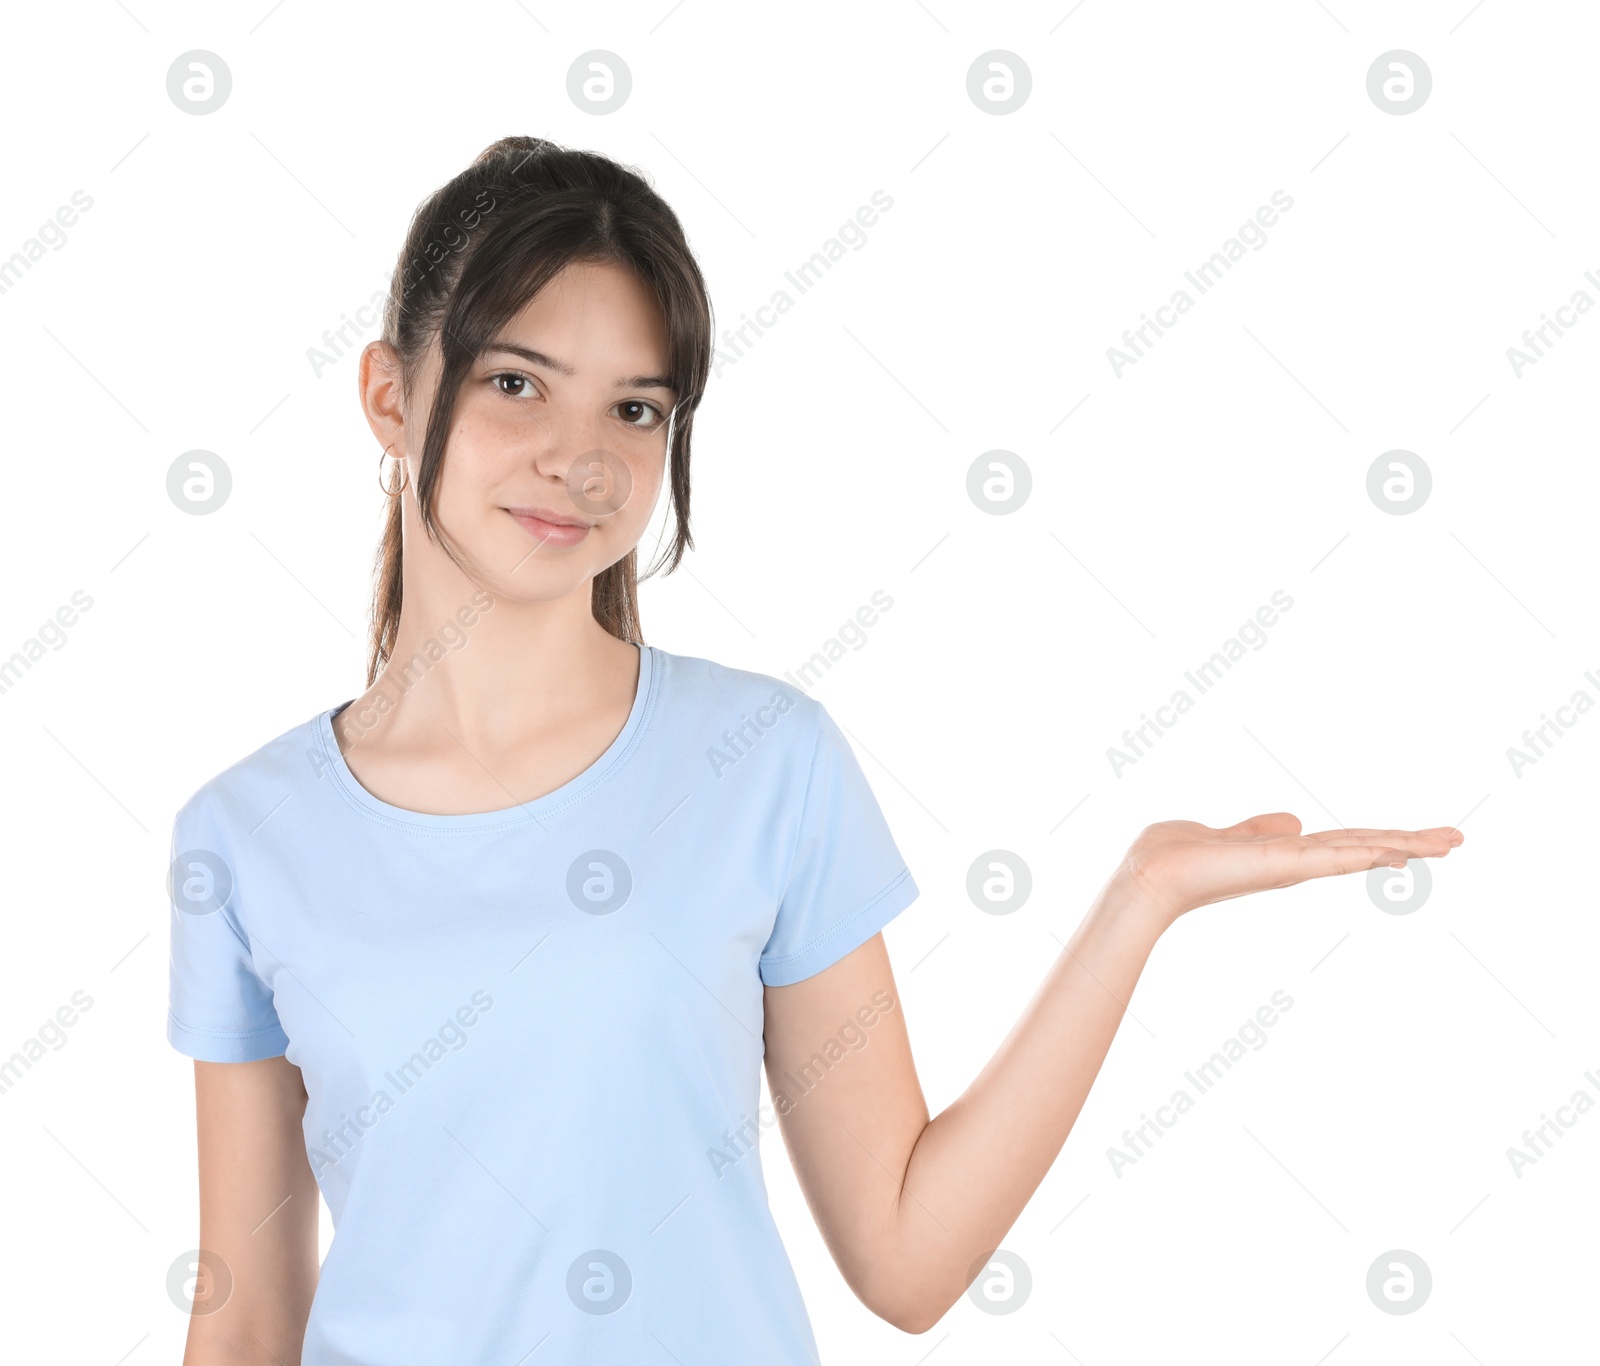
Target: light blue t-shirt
529	1035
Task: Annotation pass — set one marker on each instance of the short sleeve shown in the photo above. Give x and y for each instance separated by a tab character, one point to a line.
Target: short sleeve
846	878
219	1009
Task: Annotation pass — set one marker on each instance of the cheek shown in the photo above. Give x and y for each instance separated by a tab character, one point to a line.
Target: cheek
482	449
648	475
489	439
622	488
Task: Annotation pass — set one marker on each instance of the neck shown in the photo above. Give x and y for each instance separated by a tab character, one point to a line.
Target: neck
481	667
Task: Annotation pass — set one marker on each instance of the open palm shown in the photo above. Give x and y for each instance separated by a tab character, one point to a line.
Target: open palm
1182	864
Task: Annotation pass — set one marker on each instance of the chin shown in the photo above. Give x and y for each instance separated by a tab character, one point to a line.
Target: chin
532	581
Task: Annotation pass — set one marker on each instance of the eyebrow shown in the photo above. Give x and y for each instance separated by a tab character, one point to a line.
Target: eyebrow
562	368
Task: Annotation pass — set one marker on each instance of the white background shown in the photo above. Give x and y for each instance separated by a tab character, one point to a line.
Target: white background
831	461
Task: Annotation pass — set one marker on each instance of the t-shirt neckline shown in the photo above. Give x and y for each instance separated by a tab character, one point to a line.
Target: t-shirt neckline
573	790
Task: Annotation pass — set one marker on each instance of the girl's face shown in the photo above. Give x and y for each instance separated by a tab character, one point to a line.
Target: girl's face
558	444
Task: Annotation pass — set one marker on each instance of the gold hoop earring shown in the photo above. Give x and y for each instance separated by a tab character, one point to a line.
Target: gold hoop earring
405	474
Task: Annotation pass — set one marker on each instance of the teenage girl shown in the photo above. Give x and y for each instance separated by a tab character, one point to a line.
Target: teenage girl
491	955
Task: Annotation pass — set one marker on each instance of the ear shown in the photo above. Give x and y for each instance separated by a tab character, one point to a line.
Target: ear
382	396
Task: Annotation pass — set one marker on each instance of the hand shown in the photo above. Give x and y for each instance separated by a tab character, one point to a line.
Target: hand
1178	865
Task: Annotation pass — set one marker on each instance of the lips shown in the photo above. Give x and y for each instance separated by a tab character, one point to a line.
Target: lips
549	527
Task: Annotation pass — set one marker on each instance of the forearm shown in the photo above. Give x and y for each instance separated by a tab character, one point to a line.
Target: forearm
264	1339
977	1163
262	1320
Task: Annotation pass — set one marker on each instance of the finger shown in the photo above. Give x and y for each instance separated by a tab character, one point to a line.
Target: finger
1417	841
1268	826
1449	833
1379	852
1434	840
1334	860
1428	843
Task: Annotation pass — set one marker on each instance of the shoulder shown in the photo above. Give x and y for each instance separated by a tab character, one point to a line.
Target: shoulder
710	686
247	790
731	712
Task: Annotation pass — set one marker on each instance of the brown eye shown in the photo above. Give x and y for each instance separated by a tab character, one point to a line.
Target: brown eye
637	413
518	381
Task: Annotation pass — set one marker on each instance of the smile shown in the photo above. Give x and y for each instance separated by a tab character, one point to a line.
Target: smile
550	528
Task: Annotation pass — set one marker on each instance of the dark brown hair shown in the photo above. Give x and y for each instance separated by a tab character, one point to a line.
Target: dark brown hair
479	248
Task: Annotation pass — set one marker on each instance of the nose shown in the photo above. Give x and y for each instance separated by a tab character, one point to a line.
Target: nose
561	439
569	448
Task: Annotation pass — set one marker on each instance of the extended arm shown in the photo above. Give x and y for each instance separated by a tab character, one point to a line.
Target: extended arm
911	1207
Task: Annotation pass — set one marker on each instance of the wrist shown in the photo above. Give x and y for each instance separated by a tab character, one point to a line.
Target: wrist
1134	907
